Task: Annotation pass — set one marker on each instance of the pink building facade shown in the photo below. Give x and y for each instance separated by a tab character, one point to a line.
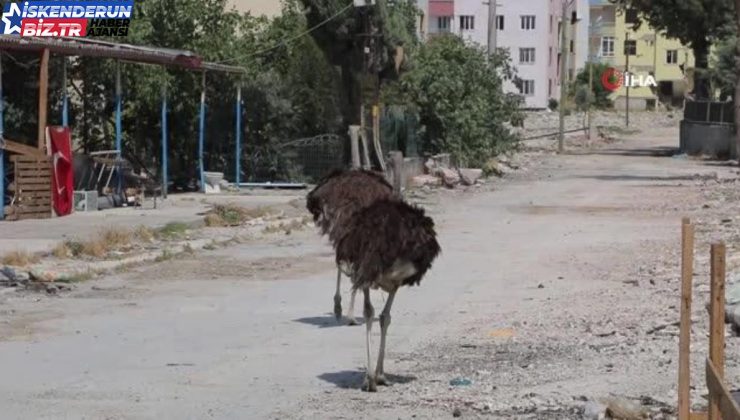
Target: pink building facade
529	29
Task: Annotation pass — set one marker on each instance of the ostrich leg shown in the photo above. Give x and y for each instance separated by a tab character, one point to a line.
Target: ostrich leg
351	311
385	321
370	385
338	297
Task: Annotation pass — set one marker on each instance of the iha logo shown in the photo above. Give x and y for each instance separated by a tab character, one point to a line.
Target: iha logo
613	79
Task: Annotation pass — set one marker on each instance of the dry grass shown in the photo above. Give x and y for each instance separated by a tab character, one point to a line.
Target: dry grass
288	227
116	238
144	233
108	240
222	215
174	230
62	251
19	258
214	220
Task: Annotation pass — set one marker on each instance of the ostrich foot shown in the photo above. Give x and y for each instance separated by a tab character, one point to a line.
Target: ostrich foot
338	308
351	321
380	380
370	385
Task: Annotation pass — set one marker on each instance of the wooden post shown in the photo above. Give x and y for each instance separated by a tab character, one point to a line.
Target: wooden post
717	322
202	133
65	97
165	148
43	98
684	341
354	143
397	164
238	136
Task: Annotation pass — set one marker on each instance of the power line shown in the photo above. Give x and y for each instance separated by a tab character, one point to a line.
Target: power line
291	39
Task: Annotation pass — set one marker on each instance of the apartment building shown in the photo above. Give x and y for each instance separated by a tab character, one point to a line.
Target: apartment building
529	29
613	36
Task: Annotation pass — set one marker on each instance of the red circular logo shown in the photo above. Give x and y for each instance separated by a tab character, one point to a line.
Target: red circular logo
612	79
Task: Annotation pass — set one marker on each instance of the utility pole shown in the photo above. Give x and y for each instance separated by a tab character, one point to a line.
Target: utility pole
590	83
563	76
492	27
627	79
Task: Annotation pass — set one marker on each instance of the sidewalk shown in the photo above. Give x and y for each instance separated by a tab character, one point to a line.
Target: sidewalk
41	235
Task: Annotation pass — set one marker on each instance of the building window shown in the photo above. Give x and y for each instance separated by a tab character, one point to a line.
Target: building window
549	58
467	23
500	22
550	23
527	22
549	87
607	46
526	55
671	57
572	46
527	88
444	23
630	47
630	16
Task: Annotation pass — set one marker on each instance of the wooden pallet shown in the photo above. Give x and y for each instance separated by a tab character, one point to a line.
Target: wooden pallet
32	188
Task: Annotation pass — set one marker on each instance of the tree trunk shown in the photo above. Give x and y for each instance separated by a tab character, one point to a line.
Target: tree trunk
737	81
701	81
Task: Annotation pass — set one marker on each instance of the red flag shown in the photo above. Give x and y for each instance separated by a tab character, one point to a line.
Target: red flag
62	180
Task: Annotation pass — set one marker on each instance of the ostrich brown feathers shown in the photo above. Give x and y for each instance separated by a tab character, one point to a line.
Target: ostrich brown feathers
341	194
389	232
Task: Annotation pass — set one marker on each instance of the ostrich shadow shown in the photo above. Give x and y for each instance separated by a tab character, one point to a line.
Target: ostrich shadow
353	379
329	321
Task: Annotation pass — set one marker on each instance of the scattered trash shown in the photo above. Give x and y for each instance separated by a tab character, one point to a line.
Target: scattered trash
461	382
502	333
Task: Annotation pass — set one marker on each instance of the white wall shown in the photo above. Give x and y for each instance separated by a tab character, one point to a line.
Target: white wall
479	11
581	34
514	38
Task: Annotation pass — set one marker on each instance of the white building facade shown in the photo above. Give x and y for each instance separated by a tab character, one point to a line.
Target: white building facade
529	29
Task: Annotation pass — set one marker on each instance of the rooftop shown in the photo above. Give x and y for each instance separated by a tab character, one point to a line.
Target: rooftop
127	52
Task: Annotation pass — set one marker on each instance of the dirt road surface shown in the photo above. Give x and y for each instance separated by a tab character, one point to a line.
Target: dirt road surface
547	294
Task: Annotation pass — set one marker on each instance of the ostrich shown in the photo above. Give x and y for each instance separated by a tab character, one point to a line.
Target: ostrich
386	245
332	203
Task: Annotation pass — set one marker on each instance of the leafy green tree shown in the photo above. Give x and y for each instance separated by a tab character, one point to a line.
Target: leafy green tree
344	31
722	71
696	23
597	94
458	94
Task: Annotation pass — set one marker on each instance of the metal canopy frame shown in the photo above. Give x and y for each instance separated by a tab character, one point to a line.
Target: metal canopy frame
126	53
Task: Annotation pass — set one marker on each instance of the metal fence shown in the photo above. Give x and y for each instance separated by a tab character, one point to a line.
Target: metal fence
709	112
298	161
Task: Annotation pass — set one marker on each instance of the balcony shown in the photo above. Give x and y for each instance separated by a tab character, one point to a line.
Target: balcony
441	7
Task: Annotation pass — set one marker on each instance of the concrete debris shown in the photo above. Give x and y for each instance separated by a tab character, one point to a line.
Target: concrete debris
43	276
594	410
424	180
618	408
470	176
